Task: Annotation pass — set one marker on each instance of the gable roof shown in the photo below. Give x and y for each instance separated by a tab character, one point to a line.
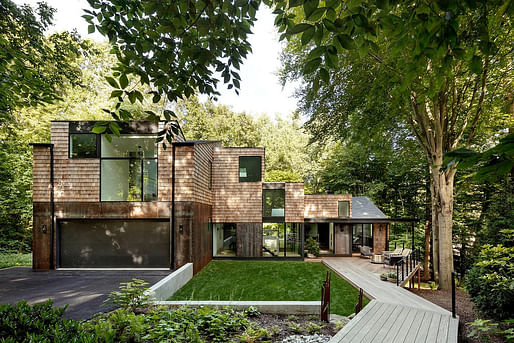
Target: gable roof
362	207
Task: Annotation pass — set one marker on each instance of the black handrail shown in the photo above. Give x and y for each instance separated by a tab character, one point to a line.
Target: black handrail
407	265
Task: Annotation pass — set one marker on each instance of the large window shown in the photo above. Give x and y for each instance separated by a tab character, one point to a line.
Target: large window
249	168
281	240
273	203
362	236
83	145
129	168
343	208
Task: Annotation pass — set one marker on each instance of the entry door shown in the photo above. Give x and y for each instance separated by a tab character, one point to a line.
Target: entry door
343	239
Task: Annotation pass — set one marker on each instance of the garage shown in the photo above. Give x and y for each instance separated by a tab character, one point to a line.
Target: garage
113	243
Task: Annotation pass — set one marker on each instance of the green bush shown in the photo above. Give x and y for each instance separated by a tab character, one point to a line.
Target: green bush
312	246
490	282
131	296
39	323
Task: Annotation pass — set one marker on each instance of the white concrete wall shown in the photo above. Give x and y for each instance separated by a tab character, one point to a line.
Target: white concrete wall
165	288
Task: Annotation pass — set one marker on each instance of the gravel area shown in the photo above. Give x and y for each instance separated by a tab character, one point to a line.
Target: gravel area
463	307
296	328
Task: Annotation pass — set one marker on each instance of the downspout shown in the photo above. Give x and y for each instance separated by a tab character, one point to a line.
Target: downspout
52	207
172	257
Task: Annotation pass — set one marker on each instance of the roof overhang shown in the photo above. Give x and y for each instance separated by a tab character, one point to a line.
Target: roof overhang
361	220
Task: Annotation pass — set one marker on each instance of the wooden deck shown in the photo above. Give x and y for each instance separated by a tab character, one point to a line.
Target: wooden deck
395	314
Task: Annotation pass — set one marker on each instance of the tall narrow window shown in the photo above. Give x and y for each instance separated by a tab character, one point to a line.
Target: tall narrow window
343	209
249	168
273	203
128	168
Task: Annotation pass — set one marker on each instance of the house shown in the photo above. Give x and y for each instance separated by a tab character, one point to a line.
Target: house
130	203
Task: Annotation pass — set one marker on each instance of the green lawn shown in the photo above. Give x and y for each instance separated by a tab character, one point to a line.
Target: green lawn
11	260
268	280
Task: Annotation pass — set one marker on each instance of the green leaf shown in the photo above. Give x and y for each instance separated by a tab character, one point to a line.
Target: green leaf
329	25
112	82
317	14
295	3
99	129
323	74
476	65
312	65
316	52
113	126
117	93
307	35
346	42
299	28
123	81
156	98
90	29
309	7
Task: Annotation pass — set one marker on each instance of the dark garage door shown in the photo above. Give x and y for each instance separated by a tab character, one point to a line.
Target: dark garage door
114	244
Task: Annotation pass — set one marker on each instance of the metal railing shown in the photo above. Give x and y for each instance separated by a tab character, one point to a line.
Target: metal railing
407	265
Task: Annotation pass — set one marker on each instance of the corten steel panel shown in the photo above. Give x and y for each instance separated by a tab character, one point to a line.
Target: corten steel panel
202	236
114	243
112	209
324	205
41	240
249	239
183	252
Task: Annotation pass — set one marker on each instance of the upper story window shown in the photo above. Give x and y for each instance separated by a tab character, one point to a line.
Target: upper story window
273	203
343	208
129	168
249	168
83	145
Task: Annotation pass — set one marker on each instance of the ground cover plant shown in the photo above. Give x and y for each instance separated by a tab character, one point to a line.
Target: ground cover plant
268	280
14	259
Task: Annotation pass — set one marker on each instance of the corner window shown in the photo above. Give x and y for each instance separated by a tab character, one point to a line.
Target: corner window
83	145
249	168
128	168
224	239
343	208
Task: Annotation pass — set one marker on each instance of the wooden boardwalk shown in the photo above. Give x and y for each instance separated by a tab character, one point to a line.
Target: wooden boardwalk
395	314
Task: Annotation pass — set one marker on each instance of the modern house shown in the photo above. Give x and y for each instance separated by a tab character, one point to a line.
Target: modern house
131	203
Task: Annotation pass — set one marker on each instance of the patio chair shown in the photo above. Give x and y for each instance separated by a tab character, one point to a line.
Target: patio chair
366	252
392	257
397	251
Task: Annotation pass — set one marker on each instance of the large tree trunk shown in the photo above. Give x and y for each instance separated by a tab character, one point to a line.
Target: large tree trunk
442	207
428	232
435	227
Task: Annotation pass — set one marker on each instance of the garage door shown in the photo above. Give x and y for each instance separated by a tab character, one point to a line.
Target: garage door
114	244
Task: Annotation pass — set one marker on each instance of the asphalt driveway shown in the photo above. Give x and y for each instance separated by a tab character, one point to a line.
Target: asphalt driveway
83	290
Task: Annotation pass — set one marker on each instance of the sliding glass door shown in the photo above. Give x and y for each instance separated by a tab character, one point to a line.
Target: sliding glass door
362	236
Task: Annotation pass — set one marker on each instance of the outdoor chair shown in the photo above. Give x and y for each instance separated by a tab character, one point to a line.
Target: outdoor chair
366	252
392	257
397	251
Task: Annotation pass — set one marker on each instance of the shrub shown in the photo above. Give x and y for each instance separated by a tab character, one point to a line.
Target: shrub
39	323
312	246
131	296
490	282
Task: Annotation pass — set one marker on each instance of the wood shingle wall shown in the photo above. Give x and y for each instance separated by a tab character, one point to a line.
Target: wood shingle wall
203	159
236	202
184	176
41	186
294	203
324	205
76	179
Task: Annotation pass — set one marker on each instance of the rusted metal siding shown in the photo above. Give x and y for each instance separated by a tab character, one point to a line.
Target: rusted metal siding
295	204
249	240
236	202
324	205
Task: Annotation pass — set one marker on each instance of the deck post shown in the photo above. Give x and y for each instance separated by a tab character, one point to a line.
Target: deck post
419	279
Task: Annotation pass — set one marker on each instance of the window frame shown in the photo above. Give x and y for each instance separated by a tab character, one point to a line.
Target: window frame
239	168
98	151
339	209
273	219
142	159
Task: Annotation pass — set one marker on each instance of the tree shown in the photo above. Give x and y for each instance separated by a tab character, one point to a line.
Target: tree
34	68
177	47
433	61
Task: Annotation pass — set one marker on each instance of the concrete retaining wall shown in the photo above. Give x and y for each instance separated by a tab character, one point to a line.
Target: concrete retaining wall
165	288
275	307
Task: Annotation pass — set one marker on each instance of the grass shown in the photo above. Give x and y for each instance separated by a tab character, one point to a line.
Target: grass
268	280
13	259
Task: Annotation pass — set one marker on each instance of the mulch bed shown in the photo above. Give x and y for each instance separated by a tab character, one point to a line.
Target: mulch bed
464	309
292	325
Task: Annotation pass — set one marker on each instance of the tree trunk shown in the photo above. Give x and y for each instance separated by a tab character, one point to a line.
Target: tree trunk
442	207
428	232
435	228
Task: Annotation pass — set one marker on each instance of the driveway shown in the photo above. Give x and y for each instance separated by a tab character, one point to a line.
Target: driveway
83	290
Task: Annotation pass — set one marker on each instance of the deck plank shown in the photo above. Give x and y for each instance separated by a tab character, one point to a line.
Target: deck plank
394	314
